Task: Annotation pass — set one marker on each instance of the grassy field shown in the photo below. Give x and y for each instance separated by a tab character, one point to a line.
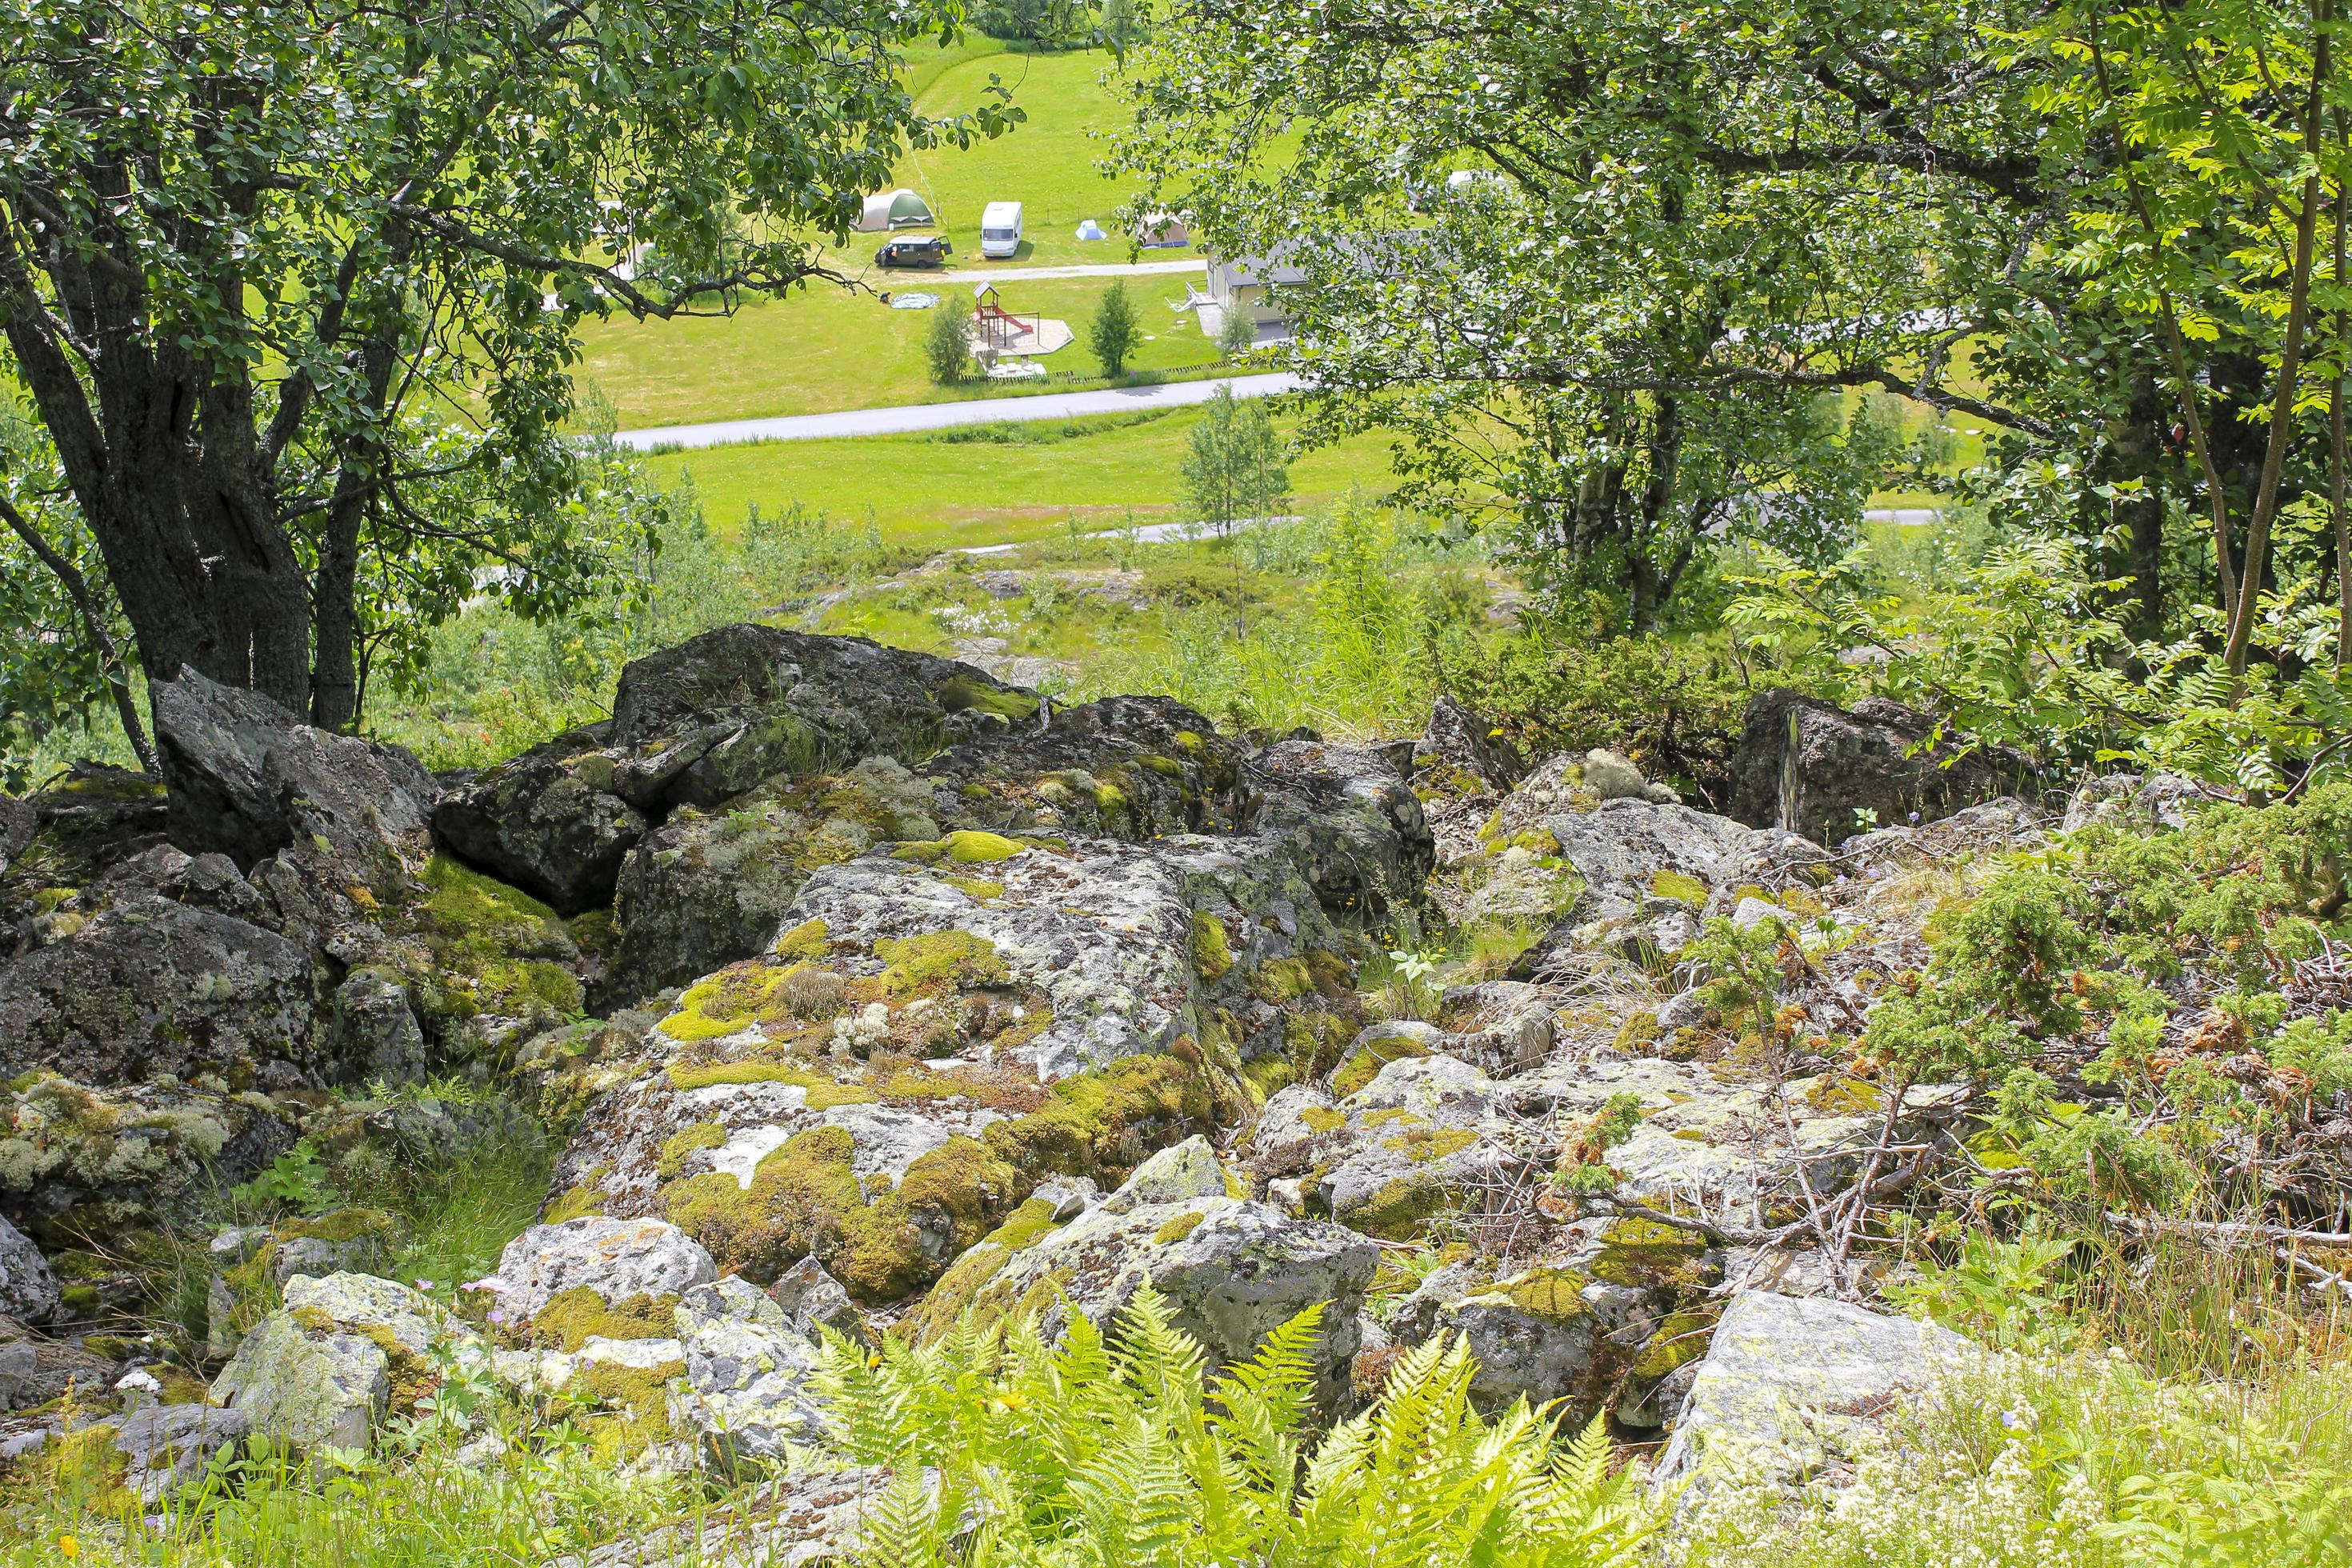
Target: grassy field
824	349
827	350
1048	163
990	484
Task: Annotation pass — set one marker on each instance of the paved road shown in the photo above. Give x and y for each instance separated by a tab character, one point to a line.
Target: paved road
940	416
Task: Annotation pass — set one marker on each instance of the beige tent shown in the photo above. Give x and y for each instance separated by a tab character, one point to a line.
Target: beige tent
901	208
1163	228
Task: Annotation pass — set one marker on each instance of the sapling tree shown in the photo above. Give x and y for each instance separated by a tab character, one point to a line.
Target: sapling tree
1233	471
1113	334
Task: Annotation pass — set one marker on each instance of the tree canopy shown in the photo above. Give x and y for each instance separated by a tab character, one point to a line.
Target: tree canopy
293	290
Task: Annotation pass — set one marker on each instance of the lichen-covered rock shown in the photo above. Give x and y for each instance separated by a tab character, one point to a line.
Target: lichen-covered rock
345	1350
1797	1376
55	843
80	1164
339	1241
712	718
1230	1269
747	1388
1459	738
374	1031
1707	1139
1186	1170
811	1300
306	1389
615	1260
155	986
29	1288
804	1519
168	1446
1408	1145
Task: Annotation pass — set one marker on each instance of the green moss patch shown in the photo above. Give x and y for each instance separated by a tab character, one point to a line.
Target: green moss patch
1324	1118
587	1198
1180	1227
1679	886
916	963
1098	1124
572	1318
1425	1145
977	887
1557	1294
805	1199
957	695
682	1146
1213	955
1367	1063
1399	1209
807	940
965	846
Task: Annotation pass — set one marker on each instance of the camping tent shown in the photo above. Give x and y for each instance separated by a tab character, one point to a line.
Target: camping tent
1160	228
901	208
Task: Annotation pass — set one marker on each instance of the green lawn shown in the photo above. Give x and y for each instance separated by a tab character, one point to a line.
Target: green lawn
827	350
824	349
990	484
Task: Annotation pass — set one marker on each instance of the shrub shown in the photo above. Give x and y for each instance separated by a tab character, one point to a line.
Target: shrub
947	344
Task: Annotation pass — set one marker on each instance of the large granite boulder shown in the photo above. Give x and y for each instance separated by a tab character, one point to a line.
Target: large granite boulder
1825	772
1800	1377
247	779
712	718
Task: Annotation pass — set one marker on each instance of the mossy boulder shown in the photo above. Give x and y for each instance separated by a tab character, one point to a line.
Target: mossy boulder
343	1352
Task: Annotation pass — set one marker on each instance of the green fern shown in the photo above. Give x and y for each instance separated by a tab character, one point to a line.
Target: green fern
1117	1451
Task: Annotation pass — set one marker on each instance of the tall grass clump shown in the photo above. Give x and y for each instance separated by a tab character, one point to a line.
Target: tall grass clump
1356	659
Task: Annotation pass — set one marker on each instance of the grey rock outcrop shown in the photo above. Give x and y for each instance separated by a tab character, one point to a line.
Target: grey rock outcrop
155	986
547	821
29	1288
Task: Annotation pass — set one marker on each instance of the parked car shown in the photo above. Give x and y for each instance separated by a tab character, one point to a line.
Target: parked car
915	250
1000	231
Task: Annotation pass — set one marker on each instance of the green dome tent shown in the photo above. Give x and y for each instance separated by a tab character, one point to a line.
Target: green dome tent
901	208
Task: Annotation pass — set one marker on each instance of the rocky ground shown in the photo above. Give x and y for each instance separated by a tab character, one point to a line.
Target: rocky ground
866	991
